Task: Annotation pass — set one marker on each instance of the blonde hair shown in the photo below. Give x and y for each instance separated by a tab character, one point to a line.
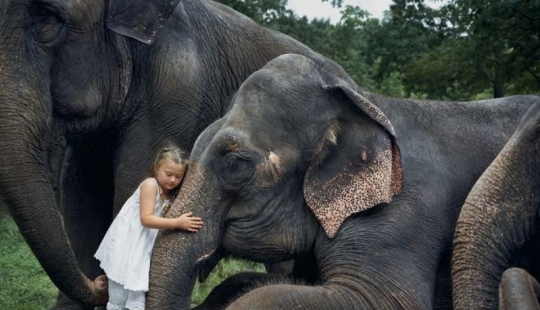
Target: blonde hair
173	153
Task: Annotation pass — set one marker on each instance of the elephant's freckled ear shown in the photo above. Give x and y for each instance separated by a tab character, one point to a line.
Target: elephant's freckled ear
349	181
349	191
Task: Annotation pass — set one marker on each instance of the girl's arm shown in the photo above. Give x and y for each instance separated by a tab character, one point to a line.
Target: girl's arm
149	191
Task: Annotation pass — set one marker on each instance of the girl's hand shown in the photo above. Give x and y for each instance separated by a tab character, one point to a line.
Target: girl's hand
189	222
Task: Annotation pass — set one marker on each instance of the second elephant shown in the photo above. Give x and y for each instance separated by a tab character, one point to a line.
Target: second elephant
362	190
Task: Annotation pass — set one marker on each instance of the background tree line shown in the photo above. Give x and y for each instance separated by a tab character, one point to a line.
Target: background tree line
463	50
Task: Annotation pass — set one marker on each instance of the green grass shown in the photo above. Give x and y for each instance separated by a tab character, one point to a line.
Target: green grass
224	269
25	286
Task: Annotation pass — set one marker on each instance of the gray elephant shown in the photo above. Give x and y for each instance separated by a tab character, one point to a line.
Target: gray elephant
363	191
90	90
496	256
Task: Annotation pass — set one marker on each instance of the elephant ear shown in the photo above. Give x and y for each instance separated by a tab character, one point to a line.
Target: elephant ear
139	19
356	165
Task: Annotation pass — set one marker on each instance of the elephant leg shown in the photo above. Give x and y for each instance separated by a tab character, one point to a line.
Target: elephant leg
519	290
235	286
87	209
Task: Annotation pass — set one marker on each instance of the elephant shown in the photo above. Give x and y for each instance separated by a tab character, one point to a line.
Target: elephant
496	242
90	91
363	191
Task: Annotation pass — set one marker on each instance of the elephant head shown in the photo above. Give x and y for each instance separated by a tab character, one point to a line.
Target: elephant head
300	150
498	227
61	71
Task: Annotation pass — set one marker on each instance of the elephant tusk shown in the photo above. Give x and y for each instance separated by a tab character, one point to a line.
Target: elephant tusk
205	256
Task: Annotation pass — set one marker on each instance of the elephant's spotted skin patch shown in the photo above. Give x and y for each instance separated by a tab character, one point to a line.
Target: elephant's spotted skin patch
350	191
269	172
275	160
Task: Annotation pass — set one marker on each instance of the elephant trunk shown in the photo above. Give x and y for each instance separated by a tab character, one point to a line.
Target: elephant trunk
178	255
497	219
25	131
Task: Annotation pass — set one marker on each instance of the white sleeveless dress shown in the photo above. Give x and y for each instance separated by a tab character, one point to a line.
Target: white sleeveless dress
125	251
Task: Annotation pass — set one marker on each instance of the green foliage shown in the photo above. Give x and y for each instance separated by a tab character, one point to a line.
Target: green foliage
392	85
465	47
505	36
454	52
226	267
335	3
261	11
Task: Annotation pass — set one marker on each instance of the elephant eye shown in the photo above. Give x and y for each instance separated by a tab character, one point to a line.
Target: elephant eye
231	162
47	27
236	169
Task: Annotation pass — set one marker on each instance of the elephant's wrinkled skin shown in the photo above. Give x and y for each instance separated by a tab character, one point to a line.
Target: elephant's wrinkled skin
89	91
305	165
496	256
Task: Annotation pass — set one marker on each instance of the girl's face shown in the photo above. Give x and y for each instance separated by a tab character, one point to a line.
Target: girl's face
169	174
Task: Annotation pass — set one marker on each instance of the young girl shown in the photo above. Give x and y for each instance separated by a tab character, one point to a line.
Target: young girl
127	246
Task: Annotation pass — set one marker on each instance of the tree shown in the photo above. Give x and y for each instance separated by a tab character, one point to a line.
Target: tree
455	52
467	46
505	36
261	11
